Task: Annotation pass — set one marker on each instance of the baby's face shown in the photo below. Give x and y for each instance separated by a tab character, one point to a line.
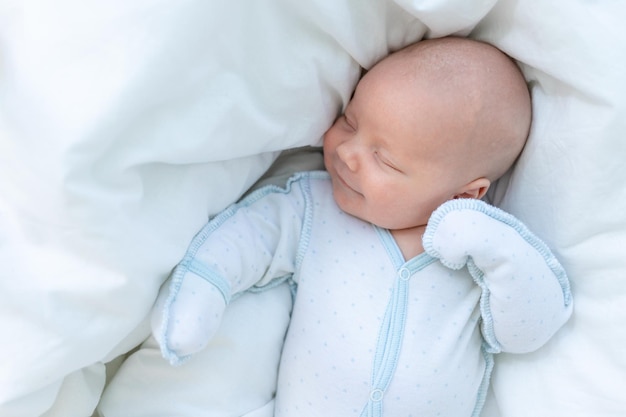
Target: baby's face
385	154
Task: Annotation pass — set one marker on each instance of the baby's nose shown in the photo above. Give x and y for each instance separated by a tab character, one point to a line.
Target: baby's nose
349	155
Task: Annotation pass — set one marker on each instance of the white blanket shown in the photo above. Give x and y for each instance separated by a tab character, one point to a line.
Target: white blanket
124	125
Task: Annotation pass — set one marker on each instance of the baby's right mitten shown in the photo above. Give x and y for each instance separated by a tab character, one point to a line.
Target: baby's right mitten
186	316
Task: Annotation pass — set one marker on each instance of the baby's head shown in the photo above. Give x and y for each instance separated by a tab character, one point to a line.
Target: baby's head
440	119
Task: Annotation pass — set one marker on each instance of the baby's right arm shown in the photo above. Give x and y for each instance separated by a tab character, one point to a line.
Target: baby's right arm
186	316
251	243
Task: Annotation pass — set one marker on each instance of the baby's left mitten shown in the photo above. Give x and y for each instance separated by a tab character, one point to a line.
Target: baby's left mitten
526	295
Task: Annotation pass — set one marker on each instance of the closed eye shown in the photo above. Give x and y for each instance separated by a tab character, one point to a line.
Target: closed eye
349	123
384	161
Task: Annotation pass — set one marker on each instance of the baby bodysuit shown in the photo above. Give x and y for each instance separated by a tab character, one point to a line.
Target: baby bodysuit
371	333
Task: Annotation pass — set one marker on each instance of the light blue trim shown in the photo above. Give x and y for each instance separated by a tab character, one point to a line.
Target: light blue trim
481	397
415	264
174	288
307	223
211	276
388	347
391	246
391	333
488	332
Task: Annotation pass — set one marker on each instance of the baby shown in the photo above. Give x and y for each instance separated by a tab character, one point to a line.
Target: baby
407	283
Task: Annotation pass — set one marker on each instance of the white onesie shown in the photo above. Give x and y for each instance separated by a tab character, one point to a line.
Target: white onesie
371	334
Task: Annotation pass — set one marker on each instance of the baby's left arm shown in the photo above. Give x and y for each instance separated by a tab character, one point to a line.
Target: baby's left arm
526	296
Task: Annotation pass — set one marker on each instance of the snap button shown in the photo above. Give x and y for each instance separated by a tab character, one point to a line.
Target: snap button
404	273
377	395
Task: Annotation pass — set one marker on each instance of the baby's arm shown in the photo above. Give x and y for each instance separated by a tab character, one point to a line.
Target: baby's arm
526	295
251	243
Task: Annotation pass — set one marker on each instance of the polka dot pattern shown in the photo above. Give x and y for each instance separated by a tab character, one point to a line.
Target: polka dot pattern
372	333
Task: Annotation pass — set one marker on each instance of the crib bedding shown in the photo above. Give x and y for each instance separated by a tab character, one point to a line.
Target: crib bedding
124	125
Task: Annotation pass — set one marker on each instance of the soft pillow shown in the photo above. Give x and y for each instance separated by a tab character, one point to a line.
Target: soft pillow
124	125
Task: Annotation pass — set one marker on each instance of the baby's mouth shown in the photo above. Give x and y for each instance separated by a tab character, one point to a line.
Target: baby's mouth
345	184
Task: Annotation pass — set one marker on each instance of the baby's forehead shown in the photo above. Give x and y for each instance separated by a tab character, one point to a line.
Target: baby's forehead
450	62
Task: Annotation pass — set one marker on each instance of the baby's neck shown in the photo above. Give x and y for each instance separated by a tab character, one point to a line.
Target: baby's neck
409	241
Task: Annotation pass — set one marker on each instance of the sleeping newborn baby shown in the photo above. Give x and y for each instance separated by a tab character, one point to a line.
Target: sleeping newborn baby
407	283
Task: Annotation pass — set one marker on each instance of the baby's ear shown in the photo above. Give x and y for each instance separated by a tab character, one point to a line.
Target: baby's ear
475	189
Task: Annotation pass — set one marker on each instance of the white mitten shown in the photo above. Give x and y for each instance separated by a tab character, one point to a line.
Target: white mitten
526	295
187	314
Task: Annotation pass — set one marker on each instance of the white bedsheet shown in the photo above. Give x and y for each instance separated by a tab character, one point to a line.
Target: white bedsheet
124	125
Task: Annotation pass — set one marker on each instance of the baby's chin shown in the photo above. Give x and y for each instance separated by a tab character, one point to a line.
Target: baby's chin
356	211
355	204
349	205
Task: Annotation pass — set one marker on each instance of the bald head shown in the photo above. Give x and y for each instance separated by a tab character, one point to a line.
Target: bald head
479	96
